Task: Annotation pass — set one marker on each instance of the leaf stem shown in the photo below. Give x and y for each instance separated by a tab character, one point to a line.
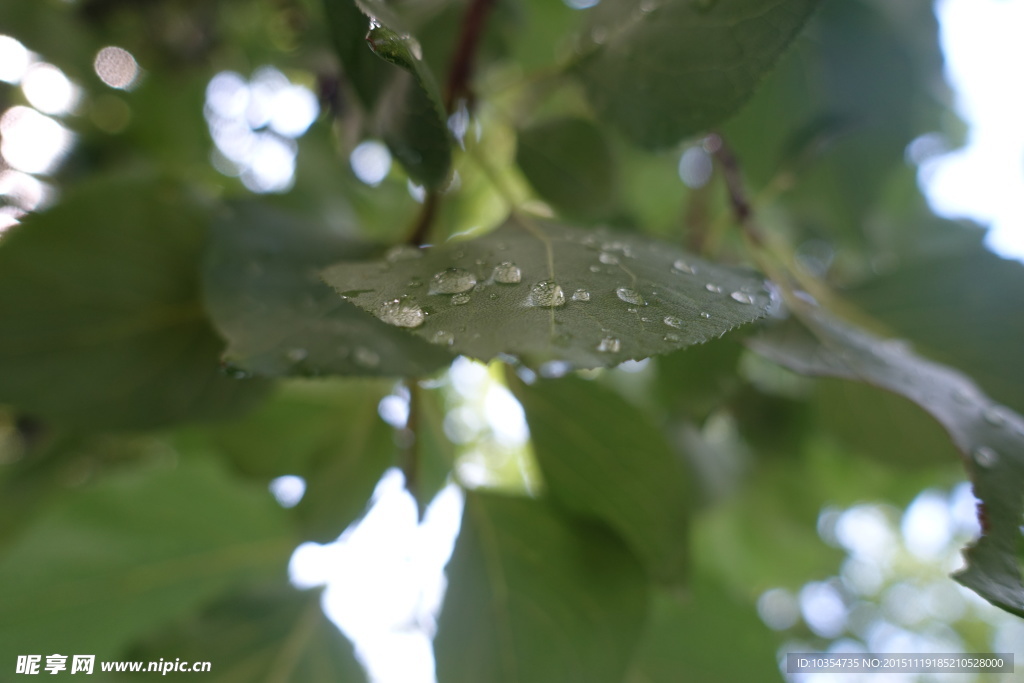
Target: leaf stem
461	70
421	228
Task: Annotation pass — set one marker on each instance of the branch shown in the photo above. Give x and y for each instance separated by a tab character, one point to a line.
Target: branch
461	69
421	229
730	166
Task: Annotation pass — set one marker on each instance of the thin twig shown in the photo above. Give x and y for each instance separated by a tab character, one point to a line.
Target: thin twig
421	229
733	176
461	70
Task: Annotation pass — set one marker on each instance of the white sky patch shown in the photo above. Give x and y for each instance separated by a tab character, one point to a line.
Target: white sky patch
984	180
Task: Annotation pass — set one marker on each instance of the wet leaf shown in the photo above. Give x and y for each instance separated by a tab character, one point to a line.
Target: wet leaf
535	596
103	326
263	290
570	165
550	292
990	436
615	467
410	115
664	70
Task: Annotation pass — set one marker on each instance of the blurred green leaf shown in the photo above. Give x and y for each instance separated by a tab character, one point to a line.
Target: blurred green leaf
327	433
663	71
271	633
706	634
962	308
615	467
989	435
111	561
263	290
535	596
590	298
347	26
570	165
435	453
103	324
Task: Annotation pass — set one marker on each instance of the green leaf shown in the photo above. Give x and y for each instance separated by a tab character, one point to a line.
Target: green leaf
347	25
981	292
989	435
273	633
102	321
537	597
111	561
663	71
329	433
613	465
570	165
708	635
410	115
589	298
435	453
263	291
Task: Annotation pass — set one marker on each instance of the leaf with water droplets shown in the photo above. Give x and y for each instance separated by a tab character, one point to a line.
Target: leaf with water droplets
993	450
617	468
570	304
682	67
537	596
264	293
410	116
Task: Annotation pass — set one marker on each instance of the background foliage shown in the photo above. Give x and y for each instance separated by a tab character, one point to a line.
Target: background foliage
204	295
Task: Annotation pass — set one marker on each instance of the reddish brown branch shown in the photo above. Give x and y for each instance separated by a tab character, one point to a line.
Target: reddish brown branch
733	176
461	69
421	230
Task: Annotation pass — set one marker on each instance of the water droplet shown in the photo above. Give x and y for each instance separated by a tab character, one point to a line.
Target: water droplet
296	355
460	299
581	295
609	345
492	296
452	281
985	456
608	259
673	337
742	297
595	269
630	296
682	266
443	337
365	357
673	321
415	282
713	288
995	416
507	273
705	315
555	368
547	294
402	252
401	313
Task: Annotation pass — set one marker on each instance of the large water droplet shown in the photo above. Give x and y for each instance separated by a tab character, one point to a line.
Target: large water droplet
402	252
673	321
401	313
452	281
742	297
608	259
682	266
460	299
713	288
443	337
296	355
609	345
507	273
547	294
630	296
581	295
985	456
365	357
995	416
